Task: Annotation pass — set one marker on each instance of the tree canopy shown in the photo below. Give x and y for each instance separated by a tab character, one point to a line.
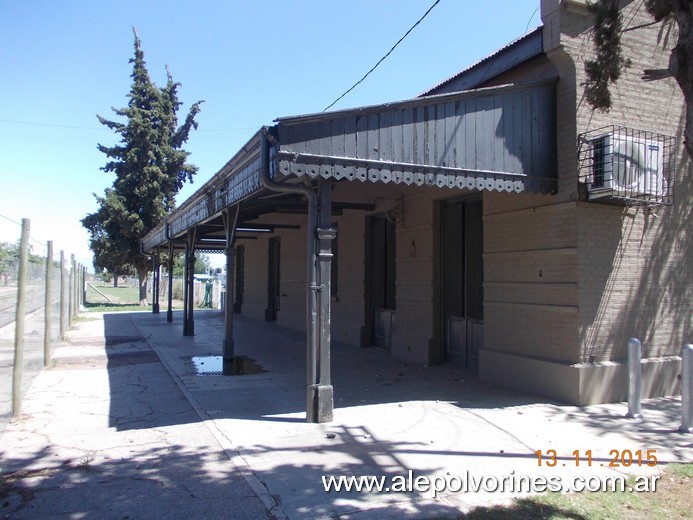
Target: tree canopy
9	257
202	265
609	60
150	167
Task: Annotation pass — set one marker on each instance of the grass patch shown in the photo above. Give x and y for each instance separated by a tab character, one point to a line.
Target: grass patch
107	294
672	499
106	298
124	298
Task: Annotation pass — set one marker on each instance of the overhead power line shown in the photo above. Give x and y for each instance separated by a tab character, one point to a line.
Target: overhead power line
19	224
11	220
33	123
530	20
384	57
53	125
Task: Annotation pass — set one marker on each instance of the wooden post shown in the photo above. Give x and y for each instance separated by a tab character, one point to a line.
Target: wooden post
80	287
48	306
63	295
18	366
75	286
78	270
71	292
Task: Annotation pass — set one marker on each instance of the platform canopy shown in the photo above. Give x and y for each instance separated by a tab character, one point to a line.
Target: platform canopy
498	138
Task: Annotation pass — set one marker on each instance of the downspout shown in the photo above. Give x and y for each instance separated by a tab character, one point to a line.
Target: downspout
312	329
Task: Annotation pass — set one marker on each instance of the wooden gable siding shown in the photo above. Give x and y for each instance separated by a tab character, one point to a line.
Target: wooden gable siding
509	131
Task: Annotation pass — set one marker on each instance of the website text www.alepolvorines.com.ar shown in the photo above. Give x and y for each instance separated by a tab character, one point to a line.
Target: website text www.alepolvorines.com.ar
465	482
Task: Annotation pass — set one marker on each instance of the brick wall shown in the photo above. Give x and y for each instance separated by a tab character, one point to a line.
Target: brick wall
635	276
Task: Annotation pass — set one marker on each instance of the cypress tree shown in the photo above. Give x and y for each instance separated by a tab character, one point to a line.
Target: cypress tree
150	167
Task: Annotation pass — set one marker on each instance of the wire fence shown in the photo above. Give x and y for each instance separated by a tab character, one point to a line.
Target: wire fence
40	294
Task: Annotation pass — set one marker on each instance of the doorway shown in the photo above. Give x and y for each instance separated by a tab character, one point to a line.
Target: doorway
273	279
461	281
380	280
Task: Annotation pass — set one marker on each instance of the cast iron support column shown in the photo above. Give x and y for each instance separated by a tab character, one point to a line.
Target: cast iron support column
189	323
312	283
156	276
312	316
230	365
153	282
325	234
169	310
185	290
325	393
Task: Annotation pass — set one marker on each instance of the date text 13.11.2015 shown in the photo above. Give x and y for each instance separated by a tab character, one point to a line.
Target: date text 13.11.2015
617	458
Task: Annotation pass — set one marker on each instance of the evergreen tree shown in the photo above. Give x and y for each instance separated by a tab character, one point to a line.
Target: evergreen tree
150	168
610	62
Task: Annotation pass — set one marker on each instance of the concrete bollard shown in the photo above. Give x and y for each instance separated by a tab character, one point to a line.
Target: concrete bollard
634	378
686	389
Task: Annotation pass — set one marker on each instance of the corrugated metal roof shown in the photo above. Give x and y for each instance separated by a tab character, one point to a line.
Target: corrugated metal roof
402	104
518	51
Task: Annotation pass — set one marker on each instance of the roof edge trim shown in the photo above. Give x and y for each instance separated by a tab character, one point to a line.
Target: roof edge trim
415	102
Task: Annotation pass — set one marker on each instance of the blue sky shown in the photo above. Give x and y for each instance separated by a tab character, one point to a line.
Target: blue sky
63	62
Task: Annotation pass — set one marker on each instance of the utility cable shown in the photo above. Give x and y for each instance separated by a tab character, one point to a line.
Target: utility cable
530	20
384	57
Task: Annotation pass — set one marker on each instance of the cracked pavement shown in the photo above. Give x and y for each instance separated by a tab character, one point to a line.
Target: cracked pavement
123	426
106	433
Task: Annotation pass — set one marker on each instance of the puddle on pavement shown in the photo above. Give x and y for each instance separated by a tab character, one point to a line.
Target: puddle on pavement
214	366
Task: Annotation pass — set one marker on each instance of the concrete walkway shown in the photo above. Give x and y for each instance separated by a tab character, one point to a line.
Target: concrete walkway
111	432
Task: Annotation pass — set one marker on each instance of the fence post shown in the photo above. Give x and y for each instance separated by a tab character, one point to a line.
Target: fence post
70	292
75	287
63	288
18	366
73	311
687	389
78	292
48	311
84	285
80	288
634	378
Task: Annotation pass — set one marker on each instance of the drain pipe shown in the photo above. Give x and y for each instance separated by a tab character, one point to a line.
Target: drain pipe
312	329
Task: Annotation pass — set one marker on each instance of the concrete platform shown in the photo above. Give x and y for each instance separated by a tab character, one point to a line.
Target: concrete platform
148	438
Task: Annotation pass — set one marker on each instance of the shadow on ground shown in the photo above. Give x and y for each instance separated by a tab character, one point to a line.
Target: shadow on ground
161	482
